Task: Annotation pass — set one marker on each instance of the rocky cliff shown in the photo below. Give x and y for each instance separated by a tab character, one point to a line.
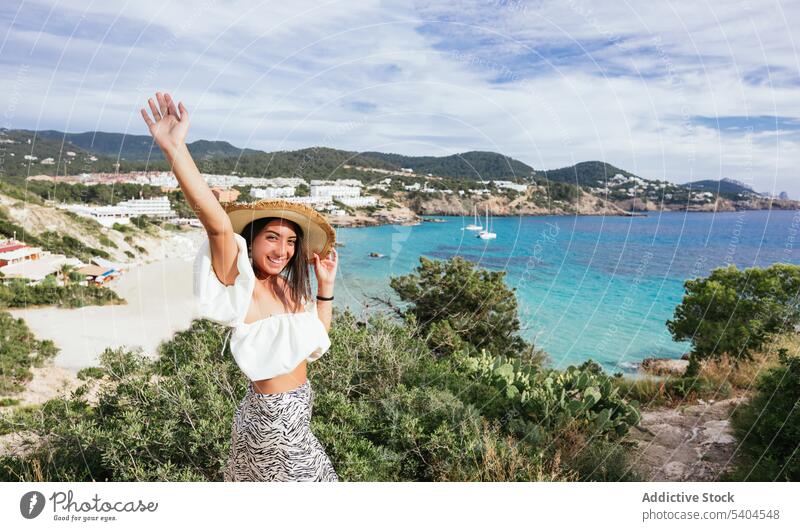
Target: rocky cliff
536	203
532	203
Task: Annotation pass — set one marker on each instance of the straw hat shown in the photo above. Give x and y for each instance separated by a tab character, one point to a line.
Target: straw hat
319	236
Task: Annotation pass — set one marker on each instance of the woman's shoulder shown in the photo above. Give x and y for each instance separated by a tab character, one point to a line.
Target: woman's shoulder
217	301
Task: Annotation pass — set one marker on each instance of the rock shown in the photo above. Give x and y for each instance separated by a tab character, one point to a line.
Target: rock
663	366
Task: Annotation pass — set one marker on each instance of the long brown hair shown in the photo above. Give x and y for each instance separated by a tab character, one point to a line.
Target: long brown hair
296	271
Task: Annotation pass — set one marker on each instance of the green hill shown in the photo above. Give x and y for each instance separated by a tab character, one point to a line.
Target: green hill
106	152
470	166
724	187
17	144
591	173
139	148
308	163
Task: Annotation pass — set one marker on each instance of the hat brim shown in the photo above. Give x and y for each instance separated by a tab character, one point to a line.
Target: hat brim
318	235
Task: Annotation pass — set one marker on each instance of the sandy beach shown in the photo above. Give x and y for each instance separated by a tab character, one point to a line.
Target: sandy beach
159	303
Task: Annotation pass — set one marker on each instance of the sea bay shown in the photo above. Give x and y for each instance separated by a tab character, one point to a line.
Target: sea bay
587	286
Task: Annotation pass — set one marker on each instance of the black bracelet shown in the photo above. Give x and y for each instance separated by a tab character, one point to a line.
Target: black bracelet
321	298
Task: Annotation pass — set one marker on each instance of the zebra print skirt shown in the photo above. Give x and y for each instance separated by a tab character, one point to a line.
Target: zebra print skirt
271	439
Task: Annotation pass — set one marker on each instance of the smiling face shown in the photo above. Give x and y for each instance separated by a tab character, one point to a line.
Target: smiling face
274	247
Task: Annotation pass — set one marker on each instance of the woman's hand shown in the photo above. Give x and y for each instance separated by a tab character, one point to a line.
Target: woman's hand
326	270
167	126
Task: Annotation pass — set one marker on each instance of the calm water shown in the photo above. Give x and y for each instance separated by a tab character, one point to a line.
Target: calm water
587	287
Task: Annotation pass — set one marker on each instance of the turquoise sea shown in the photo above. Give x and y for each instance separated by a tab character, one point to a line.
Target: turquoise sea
586	286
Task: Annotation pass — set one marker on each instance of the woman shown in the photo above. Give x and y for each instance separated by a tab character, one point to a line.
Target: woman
252	274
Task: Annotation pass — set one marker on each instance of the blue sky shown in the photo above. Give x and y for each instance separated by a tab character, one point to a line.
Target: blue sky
668	90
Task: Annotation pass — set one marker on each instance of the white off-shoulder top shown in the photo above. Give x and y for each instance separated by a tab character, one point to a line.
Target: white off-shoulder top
265	348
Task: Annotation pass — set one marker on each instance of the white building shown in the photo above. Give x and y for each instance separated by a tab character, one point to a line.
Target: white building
20	254
315	202
122	213
511	186
165	178
358	201
270	193
49	161
158	207
334	191
281	181
105	215
339	182
36	270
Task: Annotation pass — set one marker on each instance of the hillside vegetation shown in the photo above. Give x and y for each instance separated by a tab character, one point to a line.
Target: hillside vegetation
430	396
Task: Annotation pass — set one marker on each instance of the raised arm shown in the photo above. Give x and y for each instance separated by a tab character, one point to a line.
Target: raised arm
169	126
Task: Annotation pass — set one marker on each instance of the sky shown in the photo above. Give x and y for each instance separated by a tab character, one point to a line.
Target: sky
675	90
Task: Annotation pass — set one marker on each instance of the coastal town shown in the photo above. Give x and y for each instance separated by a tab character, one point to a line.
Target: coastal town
385	196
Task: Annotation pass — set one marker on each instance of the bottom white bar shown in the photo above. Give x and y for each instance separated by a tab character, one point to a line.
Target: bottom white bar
399	505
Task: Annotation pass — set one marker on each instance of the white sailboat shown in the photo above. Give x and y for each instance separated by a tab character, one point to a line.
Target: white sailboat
487	234
475	225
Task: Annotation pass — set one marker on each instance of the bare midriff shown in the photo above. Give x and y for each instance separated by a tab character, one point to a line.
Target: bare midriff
284	382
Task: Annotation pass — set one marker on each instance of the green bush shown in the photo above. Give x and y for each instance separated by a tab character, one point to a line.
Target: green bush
456	304
734	311
69	246
164	420
90	372
107	242
386	408
170	419
18	294
768	426
555	399
124	228
19	351
672	390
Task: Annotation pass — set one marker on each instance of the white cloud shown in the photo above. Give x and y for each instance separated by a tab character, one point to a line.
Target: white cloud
418	79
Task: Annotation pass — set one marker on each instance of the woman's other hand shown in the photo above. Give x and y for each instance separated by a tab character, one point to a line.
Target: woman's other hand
168	127
326	269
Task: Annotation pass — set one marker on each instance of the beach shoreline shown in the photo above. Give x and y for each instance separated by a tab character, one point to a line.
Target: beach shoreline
159	299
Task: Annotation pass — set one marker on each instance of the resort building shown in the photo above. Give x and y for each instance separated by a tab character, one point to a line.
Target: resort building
316	202
14	252
358	201
334	191
36	270
158	207
272	192
105	215
511	186
121	213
